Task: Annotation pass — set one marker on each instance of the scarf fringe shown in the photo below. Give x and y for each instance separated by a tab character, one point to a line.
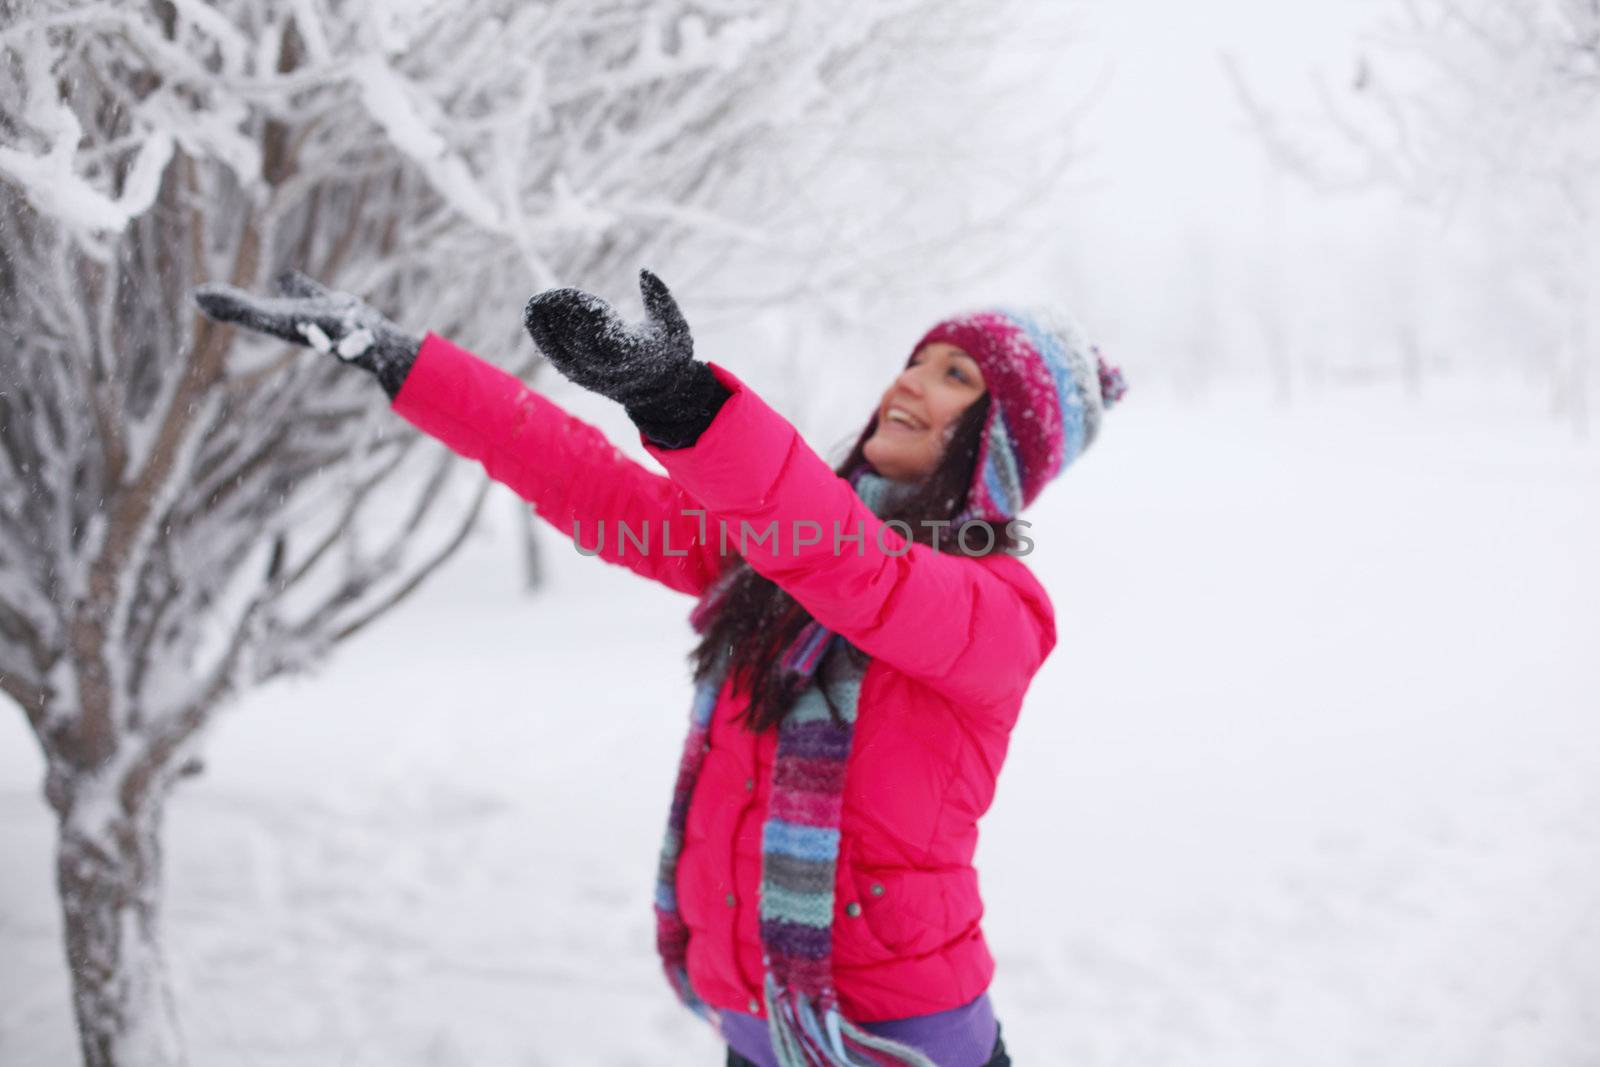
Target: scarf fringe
809	1032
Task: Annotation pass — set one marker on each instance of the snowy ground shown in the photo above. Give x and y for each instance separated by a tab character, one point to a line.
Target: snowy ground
1311	779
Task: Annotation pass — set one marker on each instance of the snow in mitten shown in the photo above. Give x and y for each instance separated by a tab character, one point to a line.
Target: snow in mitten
648	368
309	313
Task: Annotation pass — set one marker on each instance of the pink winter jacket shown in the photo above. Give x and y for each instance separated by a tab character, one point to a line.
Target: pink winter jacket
954	643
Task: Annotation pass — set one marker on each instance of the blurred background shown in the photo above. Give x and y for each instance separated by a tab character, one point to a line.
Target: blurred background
325	752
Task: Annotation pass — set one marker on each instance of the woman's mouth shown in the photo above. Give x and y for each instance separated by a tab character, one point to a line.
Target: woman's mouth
901	419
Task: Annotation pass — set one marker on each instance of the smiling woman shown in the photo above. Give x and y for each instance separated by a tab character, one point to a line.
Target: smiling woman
920	409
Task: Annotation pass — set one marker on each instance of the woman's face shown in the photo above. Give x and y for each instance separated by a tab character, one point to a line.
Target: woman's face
919	410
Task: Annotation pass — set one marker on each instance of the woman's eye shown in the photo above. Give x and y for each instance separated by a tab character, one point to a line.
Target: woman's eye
960	374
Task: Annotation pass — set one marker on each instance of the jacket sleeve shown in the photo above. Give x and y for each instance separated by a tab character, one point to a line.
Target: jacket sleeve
566	468
977	629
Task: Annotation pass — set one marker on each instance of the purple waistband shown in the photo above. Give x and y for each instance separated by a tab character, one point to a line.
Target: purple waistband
960	1037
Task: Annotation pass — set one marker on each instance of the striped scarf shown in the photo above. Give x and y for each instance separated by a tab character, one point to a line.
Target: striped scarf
799	845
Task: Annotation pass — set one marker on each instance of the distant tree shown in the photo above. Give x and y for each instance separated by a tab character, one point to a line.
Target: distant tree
1488	113
185	511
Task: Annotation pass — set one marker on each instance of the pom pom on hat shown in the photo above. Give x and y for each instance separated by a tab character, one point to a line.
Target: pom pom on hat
1111	384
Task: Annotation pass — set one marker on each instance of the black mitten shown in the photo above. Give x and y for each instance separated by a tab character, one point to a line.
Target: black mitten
648	368
309	313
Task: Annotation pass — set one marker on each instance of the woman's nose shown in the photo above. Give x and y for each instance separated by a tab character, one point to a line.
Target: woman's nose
911	380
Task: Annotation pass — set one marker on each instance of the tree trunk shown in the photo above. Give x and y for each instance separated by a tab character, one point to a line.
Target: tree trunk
1411	358
1578	380
532	557
108	874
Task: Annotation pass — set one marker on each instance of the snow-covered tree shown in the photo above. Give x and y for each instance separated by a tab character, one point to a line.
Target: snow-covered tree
1486	112
186	511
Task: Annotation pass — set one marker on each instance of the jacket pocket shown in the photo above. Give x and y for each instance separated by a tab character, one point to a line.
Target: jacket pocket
902	910
913	912
856	940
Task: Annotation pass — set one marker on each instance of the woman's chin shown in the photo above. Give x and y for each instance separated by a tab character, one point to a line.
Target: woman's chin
890	462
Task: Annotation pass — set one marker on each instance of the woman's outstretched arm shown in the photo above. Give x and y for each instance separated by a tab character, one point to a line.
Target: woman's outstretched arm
566	468
574	477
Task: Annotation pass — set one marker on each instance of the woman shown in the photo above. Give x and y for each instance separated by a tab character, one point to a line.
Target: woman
867	634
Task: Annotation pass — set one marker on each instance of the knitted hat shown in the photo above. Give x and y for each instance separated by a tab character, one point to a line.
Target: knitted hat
1049	389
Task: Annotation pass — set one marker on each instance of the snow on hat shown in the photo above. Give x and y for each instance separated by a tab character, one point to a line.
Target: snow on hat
1049	389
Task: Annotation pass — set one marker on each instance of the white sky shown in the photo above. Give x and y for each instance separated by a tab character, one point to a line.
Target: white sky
1170	148
1168	240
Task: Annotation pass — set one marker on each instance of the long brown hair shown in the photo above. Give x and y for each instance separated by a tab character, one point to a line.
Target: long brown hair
757	620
